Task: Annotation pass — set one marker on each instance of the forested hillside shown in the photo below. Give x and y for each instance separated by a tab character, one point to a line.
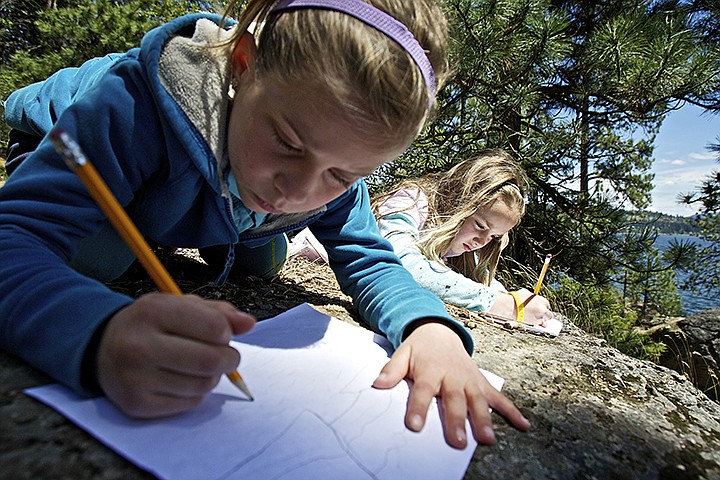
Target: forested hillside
668	224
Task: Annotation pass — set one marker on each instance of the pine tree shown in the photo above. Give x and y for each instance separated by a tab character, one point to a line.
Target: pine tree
577	91
704	268
42	36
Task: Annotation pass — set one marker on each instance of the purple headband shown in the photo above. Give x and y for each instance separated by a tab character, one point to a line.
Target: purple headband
379	20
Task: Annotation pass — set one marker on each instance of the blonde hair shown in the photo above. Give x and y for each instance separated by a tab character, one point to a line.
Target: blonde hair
455	195
366	72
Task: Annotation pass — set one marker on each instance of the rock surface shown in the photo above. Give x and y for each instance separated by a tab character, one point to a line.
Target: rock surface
693	348
596	413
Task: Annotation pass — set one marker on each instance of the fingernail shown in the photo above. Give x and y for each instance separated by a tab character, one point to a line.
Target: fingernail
380	378
489	434
461	436
416	423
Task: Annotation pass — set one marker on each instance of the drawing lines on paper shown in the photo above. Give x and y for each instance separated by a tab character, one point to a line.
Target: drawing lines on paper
362	415
336	454
334	434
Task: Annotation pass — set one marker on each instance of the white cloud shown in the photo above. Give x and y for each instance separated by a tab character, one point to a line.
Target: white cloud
682	160
673	182
703	156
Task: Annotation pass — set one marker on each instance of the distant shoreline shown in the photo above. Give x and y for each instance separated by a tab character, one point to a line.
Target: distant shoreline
664	223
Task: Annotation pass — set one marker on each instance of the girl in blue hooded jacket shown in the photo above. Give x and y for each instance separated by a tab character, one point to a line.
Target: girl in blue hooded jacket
216	139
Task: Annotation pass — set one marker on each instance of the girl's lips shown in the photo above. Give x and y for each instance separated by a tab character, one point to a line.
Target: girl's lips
268	207
467	247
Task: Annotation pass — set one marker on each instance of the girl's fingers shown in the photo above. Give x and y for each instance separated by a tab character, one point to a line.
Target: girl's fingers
155	405
455	411
395	370
163	353
190	316
187	356
421	394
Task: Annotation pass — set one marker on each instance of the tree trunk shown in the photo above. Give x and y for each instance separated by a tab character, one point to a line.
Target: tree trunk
584	149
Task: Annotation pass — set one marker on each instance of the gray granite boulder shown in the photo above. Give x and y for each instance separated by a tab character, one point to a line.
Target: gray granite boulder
693	348
596	413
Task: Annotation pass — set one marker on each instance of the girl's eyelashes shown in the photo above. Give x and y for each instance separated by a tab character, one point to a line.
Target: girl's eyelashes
288	147
284	144
292	149
344	182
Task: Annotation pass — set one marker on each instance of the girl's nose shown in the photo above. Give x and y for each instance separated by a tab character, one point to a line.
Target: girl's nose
295	186
480	241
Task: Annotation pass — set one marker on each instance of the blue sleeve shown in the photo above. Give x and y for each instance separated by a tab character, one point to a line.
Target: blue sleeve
368	270
49	312
402	233
35	109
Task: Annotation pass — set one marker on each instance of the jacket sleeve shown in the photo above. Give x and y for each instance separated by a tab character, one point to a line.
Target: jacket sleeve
48	311
401	230
35	108
368	270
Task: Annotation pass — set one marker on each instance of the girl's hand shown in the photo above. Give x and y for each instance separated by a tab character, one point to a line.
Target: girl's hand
434	358
537	308
163	353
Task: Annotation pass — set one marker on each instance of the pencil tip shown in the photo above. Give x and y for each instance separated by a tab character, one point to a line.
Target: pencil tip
243	388
237	380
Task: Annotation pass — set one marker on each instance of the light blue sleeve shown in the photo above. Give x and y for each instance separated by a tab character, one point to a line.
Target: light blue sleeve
452	287
34	109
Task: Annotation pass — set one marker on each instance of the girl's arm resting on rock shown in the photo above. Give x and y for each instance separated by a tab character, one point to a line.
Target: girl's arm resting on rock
450	286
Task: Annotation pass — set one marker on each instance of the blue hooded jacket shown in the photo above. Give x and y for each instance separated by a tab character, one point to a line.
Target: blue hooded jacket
166	174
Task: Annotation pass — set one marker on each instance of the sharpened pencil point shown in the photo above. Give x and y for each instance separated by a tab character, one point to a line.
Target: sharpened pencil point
237	380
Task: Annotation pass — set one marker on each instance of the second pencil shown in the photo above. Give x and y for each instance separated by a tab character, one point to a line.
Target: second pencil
542	273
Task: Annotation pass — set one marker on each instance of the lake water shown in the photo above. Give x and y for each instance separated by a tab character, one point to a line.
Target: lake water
691	302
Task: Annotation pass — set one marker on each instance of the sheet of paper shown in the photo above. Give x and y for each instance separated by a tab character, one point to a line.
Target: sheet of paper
315	414
552	327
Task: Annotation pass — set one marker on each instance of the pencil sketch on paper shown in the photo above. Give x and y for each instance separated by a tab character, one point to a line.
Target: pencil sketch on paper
315	414
295	462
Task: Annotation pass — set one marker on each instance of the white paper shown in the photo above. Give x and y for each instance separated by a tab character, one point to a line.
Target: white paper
315	414
552	327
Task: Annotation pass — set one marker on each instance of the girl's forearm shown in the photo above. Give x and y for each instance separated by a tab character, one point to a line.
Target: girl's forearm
504	306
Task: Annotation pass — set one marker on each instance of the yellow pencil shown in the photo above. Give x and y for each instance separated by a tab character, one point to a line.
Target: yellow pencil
78	162
542	273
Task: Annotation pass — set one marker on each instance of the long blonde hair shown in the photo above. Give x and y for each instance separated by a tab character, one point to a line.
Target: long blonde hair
455	195
362	69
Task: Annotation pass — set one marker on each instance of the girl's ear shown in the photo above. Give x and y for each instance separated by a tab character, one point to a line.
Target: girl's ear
243	54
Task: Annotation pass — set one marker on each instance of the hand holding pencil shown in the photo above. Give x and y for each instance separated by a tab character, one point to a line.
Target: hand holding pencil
155	357
541	304
529	307
162	354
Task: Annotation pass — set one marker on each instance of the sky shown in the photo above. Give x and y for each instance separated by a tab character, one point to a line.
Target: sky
682	159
